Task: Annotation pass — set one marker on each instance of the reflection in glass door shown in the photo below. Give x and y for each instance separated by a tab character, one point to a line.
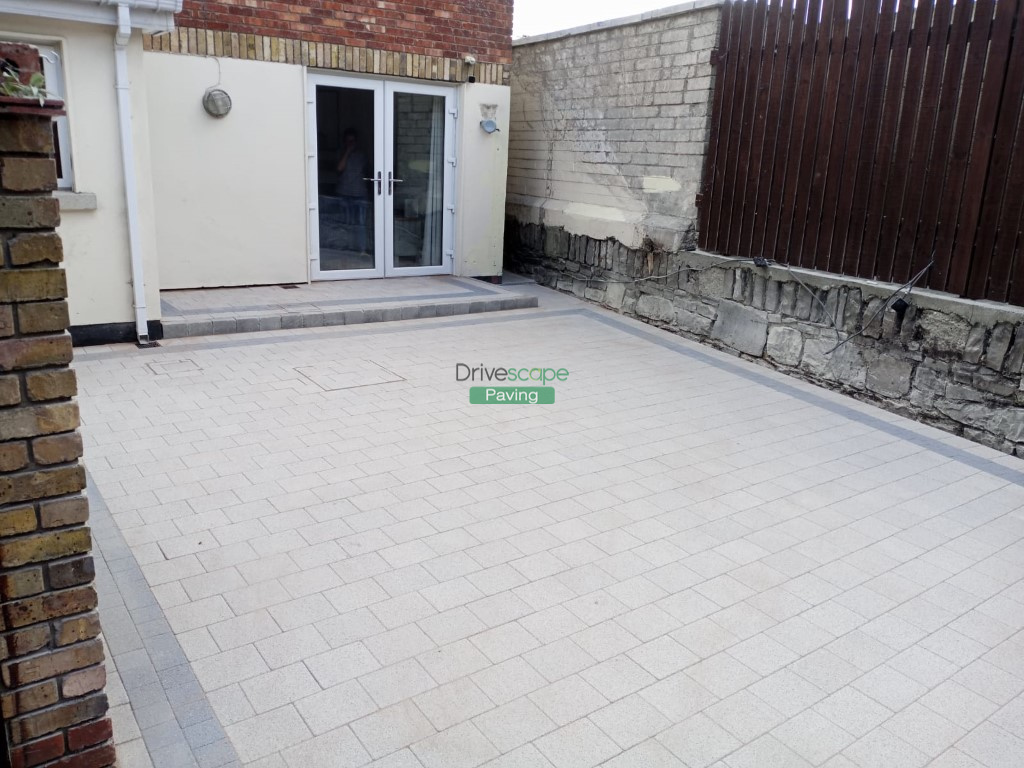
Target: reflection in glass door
417	212
381	168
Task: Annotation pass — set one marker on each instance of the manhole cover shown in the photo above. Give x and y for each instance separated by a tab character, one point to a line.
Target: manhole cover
174	368
348	374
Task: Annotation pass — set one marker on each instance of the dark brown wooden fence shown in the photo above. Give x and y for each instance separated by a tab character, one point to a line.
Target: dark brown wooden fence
870	139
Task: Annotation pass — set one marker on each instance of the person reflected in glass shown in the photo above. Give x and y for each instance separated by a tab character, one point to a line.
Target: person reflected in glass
352	189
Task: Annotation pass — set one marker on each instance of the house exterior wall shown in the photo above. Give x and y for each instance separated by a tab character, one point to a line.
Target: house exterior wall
97	259
230	193
480	195
609	125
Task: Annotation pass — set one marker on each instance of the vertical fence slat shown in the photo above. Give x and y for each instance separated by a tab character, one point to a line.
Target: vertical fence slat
963	134
881	117
729	81
805	21
813	118
738	185
765	117
844	143
780	107
914	95
921	171
718	115
986	175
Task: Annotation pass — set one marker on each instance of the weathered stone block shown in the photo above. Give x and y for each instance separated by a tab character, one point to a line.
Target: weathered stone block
17	520
845	365
6	321
41	483
46	546
613	294
889	376
785	345
43	317
13	456
77	629
29	699
29	213
974	347
24	583
741	328
70	573
59	717
51	385
943	333
58	513
84	681
36	247
28	174
998	346
32	135
53	605
34	352
38	420
32	285
10	390
1008	422
655	308
57	449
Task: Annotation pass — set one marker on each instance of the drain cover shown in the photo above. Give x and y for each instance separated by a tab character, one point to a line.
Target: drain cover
174	368
348	374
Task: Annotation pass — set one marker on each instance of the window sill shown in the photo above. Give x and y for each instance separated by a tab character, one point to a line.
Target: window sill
75	201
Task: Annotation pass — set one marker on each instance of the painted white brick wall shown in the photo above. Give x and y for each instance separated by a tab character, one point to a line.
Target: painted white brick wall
609	127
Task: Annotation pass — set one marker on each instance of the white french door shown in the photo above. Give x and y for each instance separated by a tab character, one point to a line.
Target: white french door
381	170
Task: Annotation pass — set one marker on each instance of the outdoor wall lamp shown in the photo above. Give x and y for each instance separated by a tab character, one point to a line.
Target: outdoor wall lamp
217	102
489	126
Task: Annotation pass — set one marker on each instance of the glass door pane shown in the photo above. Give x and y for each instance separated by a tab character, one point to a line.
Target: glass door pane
417	180
347	165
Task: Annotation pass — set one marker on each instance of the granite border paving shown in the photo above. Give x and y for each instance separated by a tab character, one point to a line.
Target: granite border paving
177	723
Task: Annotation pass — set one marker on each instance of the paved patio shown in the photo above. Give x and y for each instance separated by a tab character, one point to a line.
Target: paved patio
316	554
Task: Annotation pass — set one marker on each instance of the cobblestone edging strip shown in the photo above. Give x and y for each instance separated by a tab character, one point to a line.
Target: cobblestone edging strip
949	362
177	725
53	677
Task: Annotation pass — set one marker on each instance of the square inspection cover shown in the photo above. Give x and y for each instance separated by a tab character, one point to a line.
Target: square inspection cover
346	374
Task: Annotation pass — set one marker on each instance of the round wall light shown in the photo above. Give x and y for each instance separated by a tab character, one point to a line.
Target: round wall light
489	126
217	102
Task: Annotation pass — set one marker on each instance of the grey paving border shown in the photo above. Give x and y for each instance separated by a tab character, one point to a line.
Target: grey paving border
178	725
468	290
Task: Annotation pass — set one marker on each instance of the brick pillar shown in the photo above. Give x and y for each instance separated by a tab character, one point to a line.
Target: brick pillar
51	658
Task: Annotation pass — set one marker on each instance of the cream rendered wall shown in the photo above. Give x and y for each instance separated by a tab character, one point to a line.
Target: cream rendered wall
482	165
96	241
230	193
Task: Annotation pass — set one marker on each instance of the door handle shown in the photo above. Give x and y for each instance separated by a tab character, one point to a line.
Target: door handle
377	179
391	183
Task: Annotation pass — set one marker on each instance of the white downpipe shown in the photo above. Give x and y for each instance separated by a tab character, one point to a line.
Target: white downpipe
131	186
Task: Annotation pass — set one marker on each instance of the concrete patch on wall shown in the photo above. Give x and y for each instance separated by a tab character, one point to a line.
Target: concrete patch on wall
950	362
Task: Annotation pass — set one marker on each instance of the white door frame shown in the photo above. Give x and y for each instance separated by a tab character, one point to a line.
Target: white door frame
383	164
313	176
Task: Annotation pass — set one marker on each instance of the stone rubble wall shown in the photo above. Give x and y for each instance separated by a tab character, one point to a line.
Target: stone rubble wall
52	675
946	361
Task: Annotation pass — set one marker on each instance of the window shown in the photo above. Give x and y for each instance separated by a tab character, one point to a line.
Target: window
53	71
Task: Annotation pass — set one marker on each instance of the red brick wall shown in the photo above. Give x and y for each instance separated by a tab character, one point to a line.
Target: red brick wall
448	28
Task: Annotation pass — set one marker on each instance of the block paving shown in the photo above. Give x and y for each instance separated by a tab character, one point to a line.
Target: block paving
688	560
